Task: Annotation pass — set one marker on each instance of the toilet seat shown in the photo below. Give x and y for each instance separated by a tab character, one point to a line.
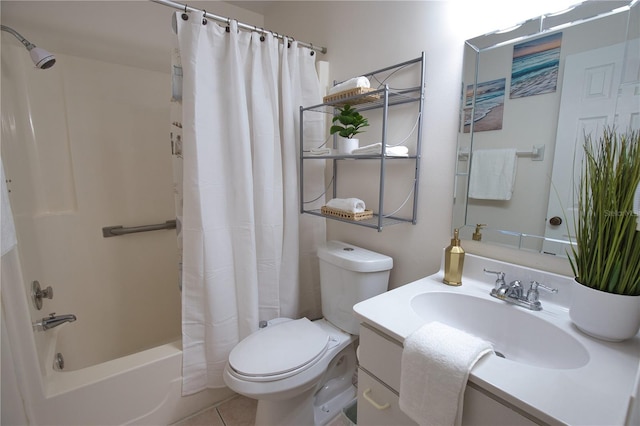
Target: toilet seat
279	351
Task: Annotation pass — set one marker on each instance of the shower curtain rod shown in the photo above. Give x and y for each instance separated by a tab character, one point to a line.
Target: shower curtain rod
221	19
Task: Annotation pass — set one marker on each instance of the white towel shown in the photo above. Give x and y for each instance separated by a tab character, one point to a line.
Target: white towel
376	148
352	83
354	205
436	361
8	229
493	174
320	151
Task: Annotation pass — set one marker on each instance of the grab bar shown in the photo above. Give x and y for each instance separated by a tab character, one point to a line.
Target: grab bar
114	231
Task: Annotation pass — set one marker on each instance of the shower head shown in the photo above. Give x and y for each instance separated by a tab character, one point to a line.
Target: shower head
40	57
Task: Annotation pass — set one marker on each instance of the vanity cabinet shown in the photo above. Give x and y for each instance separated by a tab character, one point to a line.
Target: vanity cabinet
379	385
403	102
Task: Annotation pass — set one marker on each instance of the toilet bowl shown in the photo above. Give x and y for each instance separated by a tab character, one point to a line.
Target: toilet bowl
301	371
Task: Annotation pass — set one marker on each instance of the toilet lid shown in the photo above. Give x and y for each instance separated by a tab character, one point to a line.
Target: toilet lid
279	349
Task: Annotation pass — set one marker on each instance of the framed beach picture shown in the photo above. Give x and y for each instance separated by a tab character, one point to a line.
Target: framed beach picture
489	106
534	69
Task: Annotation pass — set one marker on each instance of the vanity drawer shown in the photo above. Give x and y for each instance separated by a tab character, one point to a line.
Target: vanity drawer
381	356
377	404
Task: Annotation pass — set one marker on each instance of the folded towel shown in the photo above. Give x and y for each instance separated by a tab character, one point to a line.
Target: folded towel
493	174
354	205
376	148
350	84
320	151
435	366
8	229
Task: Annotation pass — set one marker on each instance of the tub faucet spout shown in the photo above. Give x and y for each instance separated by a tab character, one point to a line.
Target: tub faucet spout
53	321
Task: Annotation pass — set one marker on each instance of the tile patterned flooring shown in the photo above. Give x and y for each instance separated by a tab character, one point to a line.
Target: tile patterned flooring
237	411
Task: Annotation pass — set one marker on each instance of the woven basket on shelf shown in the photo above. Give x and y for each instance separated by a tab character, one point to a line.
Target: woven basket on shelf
343	214
352	92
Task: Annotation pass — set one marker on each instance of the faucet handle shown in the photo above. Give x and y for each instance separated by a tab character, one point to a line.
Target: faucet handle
533	294
499	277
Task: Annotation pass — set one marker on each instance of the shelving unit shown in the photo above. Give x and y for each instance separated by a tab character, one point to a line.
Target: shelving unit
387	98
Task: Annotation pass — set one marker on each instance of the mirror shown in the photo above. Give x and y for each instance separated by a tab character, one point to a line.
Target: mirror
528	96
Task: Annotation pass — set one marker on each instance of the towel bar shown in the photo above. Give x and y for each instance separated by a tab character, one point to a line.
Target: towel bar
536	154
114	231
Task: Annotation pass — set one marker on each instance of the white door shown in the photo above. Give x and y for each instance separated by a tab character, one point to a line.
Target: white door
591	96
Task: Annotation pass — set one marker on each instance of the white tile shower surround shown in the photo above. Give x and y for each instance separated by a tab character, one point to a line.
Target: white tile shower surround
238	411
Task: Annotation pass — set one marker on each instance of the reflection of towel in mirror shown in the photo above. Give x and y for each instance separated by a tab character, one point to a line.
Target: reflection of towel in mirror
354	205
493	174
435	366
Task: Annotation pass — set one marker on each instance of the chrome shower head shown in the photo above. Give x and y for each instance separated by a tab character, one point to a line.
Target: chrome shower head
40	57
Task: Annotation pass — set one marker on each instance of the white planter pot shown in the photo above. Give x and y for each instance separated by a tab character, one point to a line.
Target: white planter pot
346	146
606	316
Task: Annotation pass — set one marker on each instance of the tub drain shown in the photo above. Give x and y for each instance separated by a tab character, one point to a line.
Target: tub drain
499	354
58	363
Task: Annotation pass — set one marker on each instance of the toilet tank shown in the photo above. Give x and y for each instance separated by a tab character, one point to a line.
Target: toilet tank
348	275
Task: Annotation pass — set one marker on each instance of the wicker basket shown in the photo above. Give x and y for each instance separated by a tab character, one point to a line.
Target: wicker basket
340	96
343	214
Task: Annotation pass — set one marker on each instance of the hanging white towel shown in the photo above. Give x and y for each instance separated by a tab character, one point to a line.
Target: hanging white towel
352	83
354	205
436	361
376	148
6	217
493	173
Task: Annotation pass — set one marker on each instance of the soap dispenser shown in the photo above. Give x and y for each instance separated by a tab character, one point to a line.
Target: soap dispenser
453	261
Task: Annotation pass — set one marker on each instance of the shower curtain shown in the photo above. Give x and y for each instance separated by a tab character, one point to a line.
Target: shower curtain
248	254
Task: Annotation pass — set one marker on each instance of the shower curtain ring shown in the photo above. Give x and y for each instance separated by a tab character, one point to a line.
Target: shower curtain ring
185	17
204	17
312	51
227	29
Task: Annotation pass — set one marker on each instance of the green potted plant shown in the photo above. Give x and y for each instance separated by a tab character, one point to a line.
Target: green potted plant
351	121
606	254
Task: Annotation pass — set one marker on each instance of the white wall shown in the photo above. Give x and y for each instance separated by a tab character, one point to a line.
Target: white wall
364	36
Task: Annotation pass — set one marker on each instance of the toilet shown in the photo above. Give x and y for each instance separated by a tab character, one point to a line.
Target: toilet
301	371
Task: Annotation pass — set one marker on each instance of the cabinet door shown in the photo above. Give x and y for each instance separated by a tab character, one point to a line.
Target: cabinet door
377	404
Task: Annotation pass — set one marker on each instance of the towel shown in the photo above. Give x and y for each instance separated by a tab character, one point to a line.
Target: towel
436	361
376	148
493	174
320	151
8	229
354	205
350	84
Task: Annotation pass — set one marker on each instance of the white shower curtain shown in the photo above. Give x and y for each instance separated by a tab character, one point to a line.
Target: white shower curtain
243	245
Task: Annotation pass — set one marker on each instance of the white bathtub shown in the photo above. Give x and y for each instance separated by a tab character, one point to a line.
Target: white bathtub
141	389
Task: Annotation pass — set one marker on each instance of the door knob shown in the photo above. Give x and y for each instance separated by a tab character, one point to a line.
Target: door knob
555	221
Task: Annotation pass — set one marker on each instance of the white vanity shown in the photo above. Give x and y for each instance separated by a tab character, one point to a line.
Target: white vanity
551	373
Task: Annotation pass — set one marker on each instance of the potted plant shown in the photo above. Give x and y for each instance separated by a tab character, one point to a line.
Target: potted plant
606	255
351	121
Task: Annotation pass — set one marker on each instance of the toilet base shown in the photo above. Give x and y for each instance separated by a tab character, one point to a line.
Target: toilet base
318	405
301	411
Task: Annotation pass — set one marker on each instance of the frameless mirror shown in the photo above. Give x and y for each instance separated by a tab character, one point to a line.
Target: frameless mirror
529	95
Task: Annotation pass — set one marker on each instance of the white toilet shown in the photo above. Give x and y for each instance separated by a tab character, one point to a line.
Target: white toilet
301	371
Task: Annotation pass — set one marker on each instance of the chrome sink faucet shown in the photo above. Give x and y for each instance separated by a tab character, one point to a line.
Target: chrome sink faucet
514	292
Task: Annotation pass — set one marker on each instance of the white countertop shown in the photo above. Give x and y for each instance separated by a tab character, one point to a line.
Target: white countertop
597	393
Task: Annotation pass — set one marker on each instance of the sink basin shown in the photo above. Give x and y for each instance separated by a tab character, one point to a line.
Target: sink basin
518	335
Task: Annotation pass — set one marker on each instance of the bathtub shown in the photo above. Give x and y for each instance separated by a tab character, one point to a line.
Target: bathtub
142	389
123	364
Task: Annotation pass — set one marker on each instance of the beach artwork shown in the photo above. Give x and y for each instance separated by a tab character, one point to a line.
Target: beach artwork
534	70
489	106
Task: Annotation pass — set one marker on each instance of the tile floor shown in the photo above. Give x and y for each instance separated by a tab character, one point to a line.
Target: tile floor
237	411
